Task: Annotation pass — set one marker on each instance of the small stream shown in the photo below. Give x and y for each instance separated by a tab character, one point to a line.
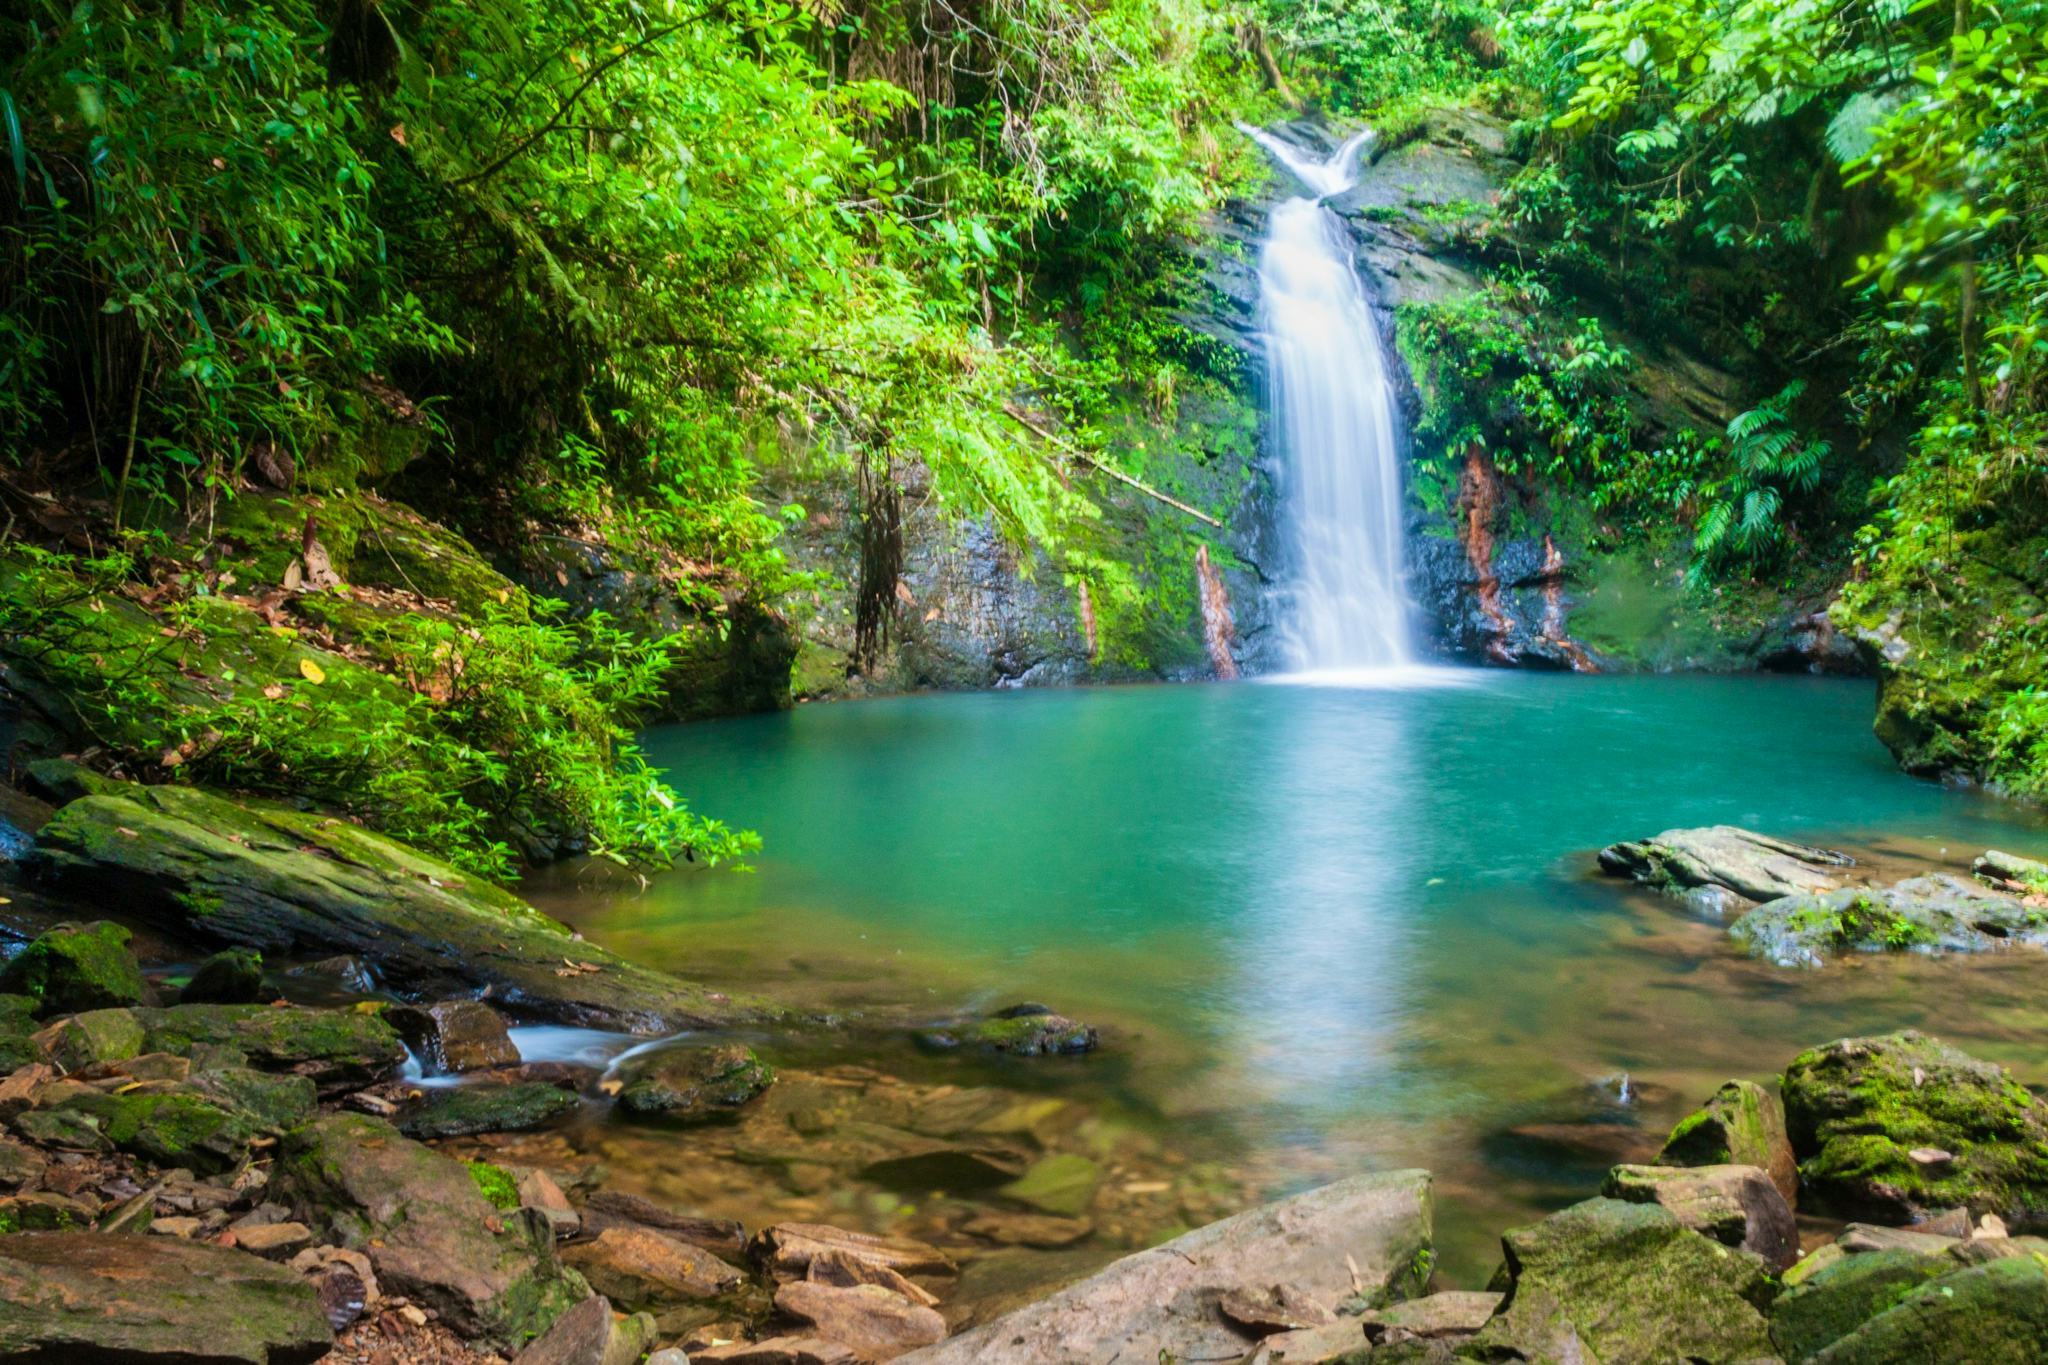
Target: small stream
1323	930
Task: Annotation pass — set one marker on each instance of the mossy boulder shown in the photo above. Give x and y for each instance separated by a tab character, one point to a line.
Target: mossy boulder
1899	1127
1938	913
336	1050
274	878
1741	1124
693	1083
1613	1281
275	1103
1753	866
1990	1314
459	1111
94	1036
429	1232
172	1126
83	1296
72	968
1835	1300
233	976
1737	1206
17	1031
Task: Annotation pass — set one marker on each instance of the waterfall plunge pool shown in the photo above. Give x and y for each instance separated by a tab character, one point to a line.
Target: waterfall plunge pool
1322	929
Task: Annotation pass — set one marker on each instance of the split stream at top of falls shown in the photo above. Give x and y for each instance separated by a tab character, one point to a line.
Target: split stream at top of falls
1344	926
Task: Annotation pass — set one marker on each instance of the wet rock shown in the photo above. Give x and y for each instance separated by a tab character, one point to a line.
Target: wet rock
722	1236
873	1322
693	1084
589	1335
782	1350
1857	1109
335	1049
844	1271
1754	866
233	976
1608	1280
1370	1230
17	1026
1737	1206
76	967
1281	1308
275	1102
171	1126
1938	913
639	1268
1990	1314
267	876
2009	868
1062	1184
1027	1229
343	973
1835	1300
538	1190
47	1211
454	1036
431	1236
1025	1030
786	1249
19	1165
1743	1124
83	1296
459	1111
91	1038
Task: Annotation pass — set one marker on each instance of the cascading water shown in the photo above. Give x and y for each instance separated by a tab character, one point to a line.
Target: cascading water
1333	410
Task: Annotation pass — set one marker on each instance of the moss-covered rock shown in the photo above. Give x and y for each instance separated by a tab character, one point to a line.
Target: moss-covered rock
1027	1030
1835	1300
172	1126
1737	1206
82	1296
267	876
693	1083
1938	913
1903	1126
335	1049
429	1232
17	1029
94	1036
233	976
459	1111
71	968
1990	1314
1613	1281
1742	1124
275	1103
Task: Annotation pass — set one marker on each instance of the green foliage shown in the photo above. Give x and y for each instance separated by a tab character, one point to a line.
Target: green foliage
472	740
494	1183
1740	518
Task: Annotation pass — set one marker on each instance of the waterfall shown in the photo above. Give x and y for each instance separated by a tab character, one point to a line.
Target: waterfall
1333	411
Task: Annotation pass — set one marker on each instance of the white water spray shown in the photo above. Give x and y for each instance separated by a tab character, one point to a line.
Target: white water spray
1333	409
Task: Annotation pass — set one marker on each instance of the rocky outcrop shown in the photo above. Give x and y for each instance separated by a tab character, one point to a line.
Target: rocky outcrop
84	1296
1372	1231
1904	1126
267	876
1737	1206
1723	861
1741	1124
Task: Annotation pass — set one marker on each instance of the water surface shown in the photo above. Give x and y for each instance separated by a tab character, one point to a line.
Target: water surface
1324	929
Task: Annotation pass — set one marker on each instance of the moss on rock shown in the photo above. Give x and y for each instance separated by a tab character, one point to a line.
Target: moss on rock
334	1049
1742	1124
459	1111
1990	1314
94	1036
71	968
1837	1299
233	976
694	1083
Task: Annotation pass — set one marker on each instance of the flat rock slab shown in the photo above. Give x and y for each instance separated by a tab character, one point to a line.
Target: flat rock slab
1937	913
1162	1302
83	1296
1754	866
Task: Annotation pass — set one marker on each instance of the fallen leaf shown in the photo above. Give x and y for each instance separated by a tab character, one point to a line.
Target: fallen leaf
312	672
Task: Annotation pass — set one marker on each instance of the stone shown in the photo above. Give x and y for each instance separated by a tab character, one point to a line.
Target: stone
459	1111
454	1036
1043	1231
1857	1108
151	1066
2007	867
47	1211
274	1102
17	1026
693	1083
1933	914
785	1251
1990	1314
721	1235
847	1272
1281	1308
875	1323
76	967
588	1334
176	1226
19	1165
1372	1231
172	1126
267	876
274	1241
342	1280
782	1350
89	1039
84	1296
1610	1280
1862	1237
538	1190
1025	1030
1062	1184
1451	1313
1835	1300
668	1355
429	1233
64	1129
1742	1124
1737	1206
1754	866
233	976
640	1268
336	1049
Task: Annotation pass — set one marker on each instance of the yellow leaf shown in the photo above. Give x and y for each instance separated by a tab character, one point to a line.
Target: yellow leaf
311	671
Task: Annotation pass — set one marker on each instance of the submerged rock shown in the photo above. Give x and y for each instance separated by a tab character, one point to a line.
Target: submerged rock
640	1268
693	1083
1753	866
1372	1230
1608	1280
233	976
86	1296
786	1251
1026	1030
1937	913
1742	1124
1737	1206
429	1232
73	968
460	1111
1904	1126
271	877
875	1323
